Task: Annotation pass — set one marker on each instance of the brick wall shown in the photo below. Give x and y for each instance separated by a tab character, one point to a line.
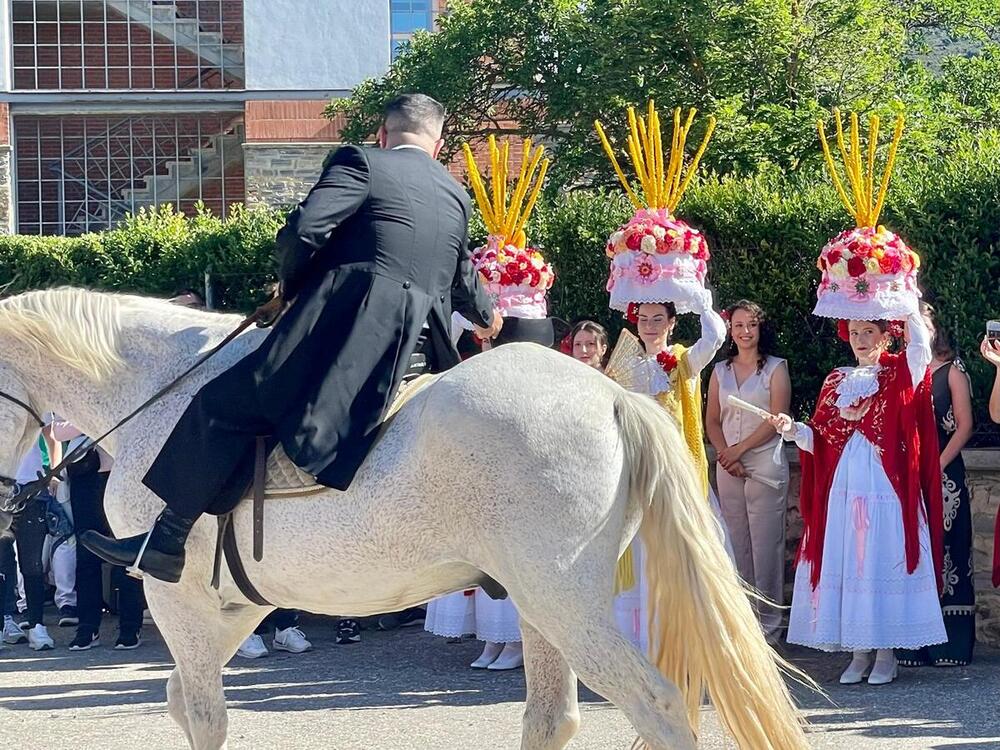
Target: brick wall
290	122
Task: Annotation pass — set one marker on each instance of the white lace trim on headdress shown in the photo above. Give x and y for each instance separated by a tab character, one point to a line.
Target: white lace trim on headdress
859	383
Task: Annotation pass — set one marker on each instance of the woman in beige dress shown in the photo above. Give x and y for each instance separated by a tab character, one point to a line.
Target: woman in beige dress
753	485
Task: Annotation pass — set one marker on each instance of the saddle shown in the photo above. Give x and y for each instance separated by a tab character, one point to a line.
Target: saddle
275	477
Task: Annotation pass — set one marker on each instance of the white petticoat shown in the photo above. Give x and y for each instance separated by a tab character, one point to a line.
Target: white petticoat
456	615
865	598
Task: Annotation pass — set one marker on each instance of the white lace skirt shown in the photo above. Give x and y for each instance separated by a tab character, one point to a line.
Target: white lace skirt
865	598
456	615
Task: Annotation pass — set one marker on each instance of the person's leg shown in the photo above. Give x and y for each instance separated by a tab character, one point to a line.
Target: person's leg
766	510
63	569
213	441
29	530
733	501
85	497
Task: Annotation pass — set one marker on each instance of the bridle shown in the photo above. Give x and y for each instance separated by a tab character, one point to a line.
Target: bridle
14	496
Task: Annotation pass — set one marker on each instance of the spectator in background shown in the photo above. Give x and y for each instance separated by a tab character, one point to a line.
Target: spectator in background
952	394
30	528
753	488
990	349
87	479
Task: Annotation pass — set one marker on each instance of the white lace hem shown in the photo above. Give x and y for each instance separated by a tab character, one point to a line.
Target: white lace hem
883	306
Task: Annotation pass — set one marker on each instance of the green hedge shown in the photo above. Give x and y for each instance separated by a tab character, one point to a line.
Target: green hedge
156	253
765	233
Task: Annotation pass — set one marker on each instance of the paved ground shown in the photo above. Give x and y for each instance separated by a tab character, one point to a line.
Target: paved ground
407	691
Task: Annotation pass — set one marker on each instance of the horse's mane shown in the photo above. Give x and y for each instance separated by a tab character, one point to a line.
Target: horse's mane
79	327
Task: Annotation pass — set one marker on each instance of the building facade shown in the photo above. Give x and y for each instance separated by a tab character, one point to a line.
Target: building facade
108	106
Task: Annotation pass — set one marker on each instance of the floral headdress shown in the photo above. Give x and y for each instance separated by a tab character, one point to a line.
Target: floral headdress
868	273
656	257
516	275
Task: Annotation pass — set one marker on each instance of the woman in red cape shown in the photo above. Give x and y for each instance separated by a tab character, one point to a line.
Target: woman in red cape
871	504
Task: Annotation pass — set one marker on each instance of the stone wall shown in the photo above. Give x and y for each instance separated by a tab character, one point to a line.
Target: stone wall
983	476
280	174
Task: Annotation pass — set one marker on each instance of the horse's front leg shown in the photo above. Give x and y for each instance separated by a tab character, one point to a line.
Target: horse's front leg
551	713
201	637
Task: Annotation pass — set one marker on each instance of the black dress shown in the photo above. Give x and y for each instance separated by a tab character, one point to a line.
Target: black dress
958	598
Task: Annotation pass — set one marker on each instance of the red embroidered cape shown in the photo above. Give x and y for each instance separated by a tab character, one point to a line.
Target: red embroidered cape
900	424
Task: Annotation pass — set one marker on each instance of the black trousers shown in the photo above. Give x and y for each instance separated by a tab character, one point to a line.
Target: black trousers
30	528
206	465
86	497
280	619
8	576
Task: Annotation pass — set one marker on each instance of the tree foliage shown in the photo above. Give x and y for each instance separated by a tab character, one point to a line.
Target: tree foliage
766	68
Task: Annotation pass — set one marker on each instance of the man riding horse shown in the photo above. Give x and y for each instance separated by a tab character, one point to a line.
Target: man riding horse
370	264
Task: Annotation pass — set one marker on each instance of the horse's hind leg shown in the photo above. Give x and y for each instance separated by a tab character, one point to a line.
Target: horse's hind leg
593	647
551	715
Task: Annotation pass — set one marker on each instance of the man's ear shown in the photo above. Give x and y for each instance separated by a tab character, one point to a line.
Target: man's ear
380	137
438	145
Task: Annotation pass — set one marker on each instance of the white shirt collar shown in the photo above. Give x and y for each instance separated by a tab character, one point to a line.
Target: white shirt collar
407	145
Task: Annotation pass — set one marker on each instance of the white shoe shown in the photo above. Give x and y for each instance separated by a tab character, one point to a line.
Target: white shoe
39	639
857	669
886	670
11	632
252	648
489	655
292	640
512	657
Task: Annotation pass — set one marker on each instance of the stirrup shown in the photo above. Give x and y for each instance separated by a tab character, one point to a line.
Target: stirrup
133	570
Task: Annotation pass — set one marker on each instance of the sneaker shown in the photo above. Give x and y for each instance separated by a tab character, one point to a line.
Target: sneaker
348	632
67	617
252	648
11	632
85	640
292	640
127	640
408	618
39	639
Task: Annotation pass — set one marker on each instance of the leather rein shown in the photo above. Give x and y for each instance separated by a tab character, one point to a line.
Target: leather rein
14	496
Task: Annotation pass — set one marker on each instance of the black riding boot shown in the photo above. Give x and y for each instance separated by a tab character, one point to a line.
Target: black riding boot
163	557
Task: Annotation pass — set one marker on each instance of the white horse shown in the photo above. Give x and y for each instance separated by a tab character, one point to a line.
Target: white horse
521	464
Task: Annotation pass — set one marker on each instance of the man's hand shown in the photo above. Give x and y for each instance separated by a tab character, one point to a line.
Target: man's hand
487	334
269	312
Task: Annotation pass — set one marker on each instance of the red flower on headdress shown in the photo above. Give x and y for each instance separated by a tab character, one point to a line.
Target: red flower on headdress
856	266
896	329
566	345
632	314
667	361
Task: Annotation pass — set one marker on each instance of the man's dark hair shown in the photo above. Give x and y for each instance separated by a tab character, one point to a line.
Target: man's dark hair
414	113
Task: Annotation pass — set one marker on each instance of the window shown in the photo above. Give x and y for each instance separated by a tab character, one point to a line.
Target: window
83	173
409	16
127	44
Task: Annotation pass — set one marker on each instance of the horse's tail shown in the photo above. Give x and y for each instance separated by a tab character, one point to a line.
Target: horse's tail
703	631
